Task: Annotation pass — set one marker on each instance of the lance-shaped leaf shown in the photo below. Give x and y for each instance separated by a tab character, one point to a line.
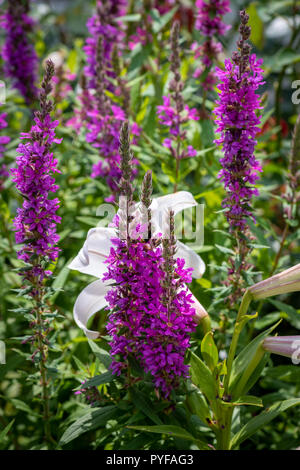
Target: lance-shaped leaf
261	420
245	357
197	405
172	431
93	419
209	351
202	377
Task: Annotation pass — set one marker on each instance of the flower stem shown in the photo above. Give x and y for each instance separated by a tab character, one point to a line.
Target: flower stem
236	333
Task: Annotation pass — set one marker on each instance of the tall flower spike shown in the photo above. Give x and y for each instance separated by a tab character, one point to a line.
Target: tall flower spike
209	23
173	322
237	123
35	226
146	202
36	221
152	311
173	113
18	53
101	116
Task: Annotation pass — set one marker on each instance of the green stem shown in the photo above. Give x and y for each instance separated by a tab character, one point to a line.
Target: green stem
224	435
44	381
236	333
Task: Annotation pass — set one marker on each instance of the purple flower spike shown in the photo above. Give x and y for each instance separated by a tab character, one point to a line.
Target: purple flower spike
142	325
209	17
209	23
100	115
238	125
36	221
18	53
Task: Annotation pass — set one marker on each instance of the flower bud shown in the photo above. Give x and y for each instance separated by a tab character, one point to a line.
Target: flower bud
288	346
282	283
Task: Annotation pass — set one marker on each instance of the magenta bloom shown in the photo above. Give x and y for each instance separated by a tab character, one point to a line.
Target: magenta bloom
238	125
142	36
18	53
209	21
3	141
209	17
35	223
141	324
103	24
100	115
174	113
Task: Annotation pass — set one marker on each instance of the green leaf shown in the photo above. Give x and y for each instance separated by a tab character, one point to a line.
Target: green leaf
246	355
246	400
263	418
130	18
173	431
91	221
292	314
209	351
60	280
202	377
102	355
139	56
20	405
95	418
144	405
97	380
197	405
289	374
257	26
225	250
6	430
162	21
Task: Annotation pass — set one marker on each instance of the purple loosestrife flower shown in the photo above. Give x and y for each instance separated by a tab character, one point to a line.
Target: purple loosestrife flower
3	141
91	258
35	226
142	324
174	113
101	115
152	313
36	221
18	53
209	17
238	124
103	126
105	26
209	23
152	310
